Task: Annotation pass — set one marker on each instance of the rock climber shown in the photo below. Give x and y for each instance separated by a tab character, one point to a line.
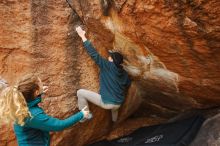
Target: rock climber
114	80
19	105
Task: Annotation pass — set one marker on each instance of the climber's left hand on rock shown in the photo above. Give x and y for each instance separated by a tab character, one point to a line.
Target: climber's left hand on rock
81	33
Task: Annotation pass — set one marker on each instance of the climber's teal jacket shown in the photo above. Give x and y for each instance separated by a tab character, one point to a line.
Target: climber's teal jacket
36	130
113	80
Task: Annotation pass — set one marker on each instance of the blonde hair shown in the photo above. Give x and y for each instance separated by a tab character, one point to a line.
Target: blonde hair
13	100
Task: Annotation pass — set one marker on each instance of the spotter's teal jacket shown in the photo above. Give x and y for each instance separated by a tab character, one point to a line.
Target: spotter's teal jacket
36	130
114	81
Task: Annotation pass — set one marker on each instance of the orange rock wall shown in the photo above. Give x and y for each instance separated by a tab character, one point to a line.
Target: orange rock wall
171	51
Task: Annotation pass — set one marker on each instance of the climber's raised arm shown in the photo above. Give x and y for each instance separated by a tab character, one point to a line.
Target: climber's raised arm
99	60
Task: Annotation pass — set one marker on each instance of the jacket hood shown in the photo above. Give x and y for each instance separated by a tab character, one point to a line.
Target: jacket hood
119	71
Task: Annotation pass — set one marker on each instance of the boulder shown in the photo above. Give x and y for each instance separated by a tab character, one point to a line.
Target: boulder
209	133
171	51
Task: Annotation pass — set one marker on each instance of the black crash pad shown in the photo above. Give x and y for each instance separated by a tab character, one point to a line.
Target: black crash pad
179	133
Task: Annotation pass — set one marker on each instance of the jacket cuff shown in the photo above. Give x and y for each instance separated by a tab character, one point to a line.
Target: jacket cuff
86	43
81	114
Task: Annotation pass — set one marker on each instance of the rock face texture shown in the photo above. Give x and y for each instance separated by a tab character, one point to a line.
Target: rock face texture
209	133
171	51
